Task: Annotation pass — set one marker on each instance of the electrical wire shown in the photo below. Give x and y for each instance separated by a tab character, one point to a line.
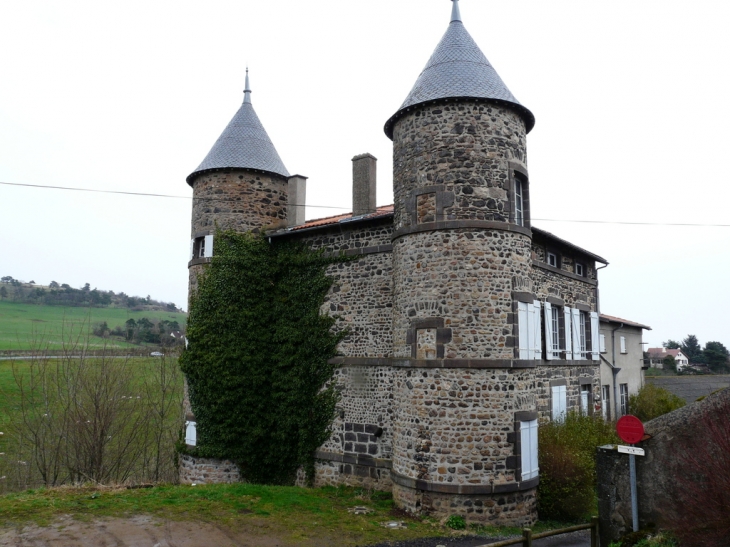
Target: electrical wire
610	222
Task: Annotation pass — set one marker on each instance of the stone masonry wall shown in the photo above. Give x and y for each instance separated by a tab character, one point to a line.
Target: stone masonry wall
452	424
463	148
239	200
207	471
466	278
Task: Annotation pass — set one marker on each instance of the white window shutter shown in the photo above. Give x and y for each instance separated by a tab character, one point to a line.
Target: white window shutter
528	441
603	343
549	331
191	434
537	330
523	329
208	246
568	315
595	336
192	249
623	344
534	467
575	322
559	402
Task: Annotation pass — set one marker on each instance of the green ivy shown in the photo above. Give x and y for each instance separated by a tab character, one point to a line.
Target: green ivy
257	362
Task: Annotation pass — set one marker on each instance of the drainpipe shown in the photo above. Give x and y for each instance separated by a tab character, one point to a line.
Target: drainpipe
598	292
614	369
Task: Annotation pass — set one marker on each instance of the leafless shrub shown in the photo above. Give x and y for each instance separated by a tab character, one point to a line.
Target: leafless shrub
104	418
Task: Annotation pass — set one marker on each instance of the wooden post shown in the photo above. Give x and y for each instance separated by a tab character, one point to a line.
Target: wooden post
594	531
527	535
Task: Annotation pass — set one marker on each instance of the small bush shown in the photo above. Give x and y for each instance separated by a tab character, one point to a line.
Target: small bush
567	490
456	522
653	401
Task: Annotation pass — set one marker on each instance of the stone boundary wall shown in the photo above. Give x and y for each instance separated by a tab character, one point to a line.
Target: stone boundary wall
195	470
655	481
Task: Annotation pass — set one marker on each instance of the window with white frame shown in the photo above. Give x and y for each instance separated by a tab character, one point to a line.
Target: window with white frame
552	259
559	402
519	202
579	269
624	388
529	330
528	442
623	344
201	247
554	328
584	333
603	343
606	402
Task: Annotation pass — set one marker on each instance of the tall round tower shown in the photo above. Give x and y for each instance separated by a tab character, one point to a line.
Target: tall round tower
240	185
461	256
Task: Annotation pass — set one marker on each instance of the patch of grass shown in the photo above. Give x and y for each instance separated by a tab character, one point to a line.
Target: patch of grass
297	512
24	326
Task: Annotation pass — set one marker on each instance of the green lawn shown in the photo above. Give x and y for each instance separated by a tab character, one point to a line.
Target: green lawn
296	513
25	326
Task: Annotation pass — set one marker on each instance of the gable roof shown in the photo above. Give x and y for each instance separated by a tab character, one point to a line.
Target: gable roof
244	144
547	235
612	319
458	69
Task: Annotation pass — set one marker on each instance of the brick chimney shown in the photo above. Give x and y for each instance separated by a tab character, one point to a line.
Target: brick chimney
363	184
297	200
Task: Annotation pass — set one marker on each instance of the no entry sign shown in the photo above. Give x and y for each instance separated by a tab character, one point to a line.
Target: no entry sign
630	429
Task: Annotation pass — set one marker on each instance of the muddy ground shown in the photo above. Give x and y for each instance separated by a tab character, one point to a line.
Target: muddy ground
145	531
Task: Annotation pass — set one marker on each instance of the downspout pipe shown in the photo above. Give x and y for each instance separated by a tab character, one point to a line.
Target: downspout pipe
614	369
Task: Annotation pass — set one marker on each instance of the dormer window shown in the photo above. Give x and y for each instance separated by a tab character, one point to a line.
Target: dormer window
579	269
552	260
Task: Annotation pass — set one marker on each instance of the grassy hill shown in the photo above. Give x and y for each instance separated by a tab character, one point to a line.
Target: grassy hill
23	326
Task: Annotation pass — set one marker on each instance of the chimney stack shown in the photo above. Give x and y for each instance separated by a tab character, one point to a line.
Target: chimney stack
363	184
297	200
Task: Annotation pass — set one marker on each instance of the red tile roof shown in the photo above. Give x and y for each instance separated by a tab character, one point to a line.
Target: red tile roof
383	211
612	319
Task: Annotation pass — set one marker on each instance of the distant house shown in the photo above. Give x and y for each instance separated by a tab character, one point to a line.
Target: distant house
657	356
622	364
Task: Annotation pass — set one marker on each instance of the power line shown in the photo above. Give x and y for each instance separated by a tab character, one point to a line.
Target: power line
143	194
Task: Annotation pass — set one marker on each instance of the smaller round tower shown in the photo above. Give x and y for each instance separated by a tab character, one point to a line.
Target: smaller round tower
241	185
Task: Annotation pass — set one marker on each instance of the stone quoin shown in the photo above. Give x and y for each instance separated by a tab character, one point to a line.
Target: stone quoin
467	323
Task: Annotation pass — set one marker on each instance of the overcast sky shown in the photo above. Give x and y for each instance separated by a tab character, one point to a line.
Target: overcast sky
631	99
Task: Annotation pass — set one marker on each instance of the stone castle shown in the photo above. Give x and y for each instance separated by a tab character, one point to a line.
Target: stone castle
465	320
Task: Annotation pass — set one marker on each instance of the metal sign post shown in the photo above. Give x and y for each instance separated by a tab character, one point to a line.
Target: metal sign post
631	430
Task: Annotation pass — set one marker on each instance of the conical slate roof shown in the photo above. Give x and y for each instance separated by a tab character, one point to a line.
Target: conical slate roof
459	69
244	144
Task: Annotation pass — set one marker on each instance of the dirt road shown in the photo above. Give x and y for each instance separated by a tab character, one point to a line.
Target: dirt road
144	531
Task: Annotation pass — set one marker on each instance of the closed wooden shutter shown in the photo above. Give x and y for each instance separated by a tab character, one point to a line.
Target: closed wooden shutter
523	330
603	343
623	344
191	434
559	402
192	249
528	440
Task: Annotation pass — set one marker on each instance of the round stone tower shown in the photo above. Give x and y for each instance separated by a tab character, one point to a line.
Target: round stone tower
461	254
241	185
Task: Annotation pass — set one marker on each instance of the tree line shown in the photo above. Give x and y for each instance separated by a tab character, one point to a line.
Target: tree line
62	294
144	331
715	355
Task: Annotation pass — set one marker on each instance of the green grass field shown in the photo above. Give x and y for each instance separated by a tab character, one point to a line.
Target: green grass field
25	326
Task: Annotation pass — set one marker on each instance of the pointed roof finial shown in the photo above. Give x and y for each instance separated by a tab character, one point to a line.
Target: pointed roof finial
247	91
455	13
